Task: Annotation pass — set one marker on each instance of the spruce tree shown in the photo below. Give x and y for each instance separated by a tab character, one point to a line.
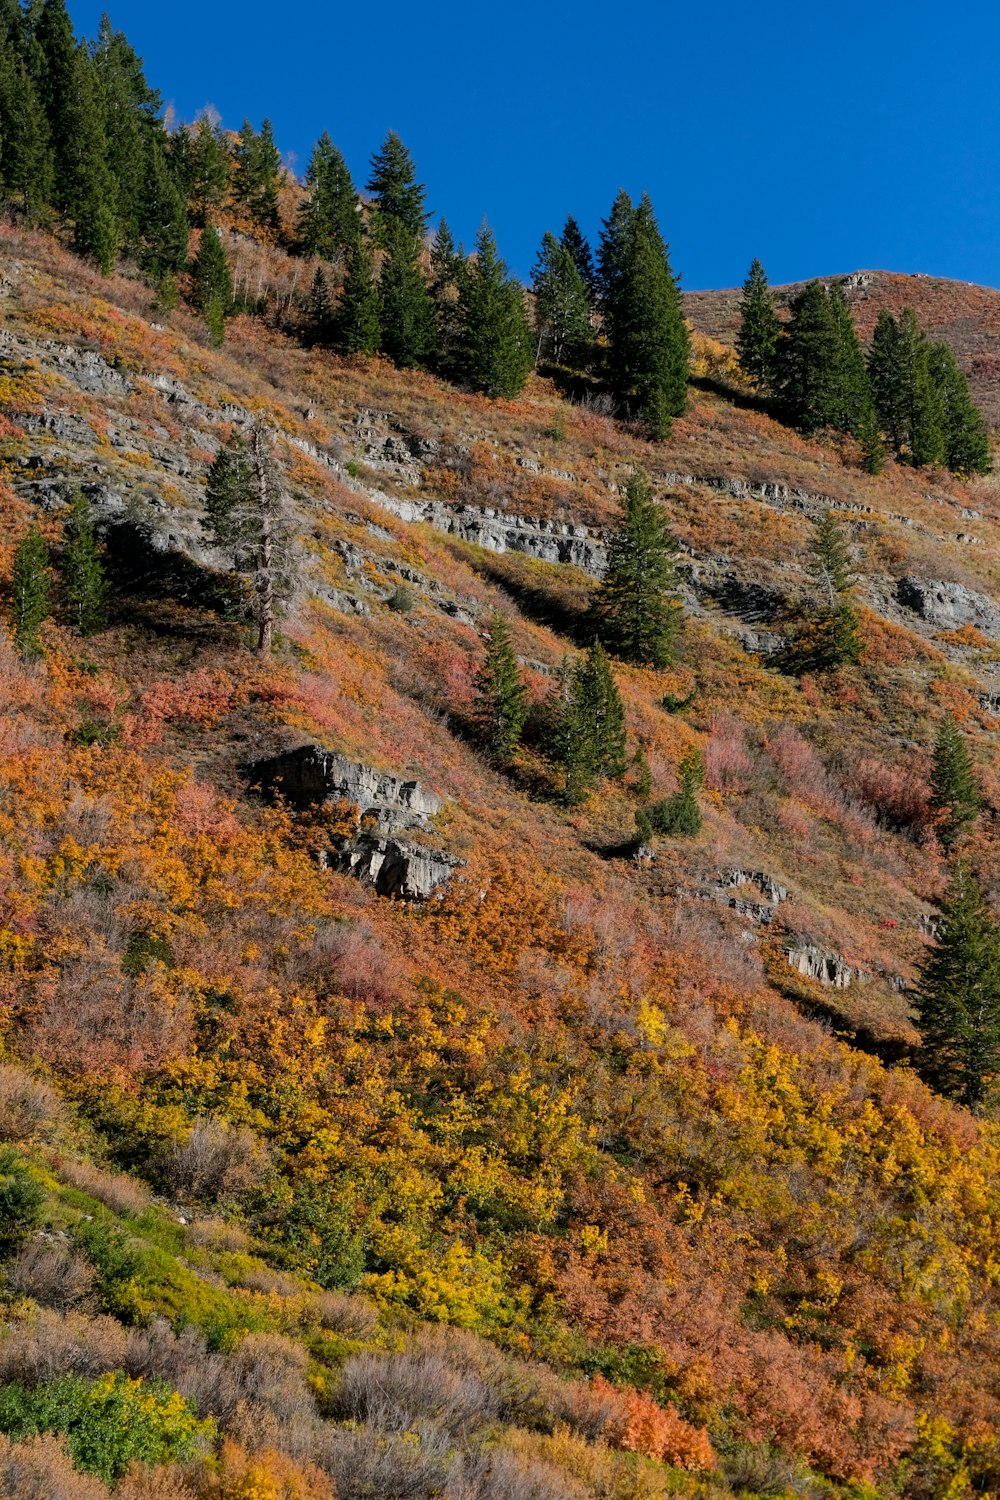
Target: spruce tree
955	793
967	445
810	352
574	240
836	629
640	617
562	305
759	331
589	740
872	448
130	111
319	310
852	392
406	314
246	514
888	379
30	590
649	345
90	192
912	405
51	59
202	165
26	160
256	182
497	350
501	702
448	268
163	220
356	328
393	182
328	220
958	996
679	815
84	586
212	282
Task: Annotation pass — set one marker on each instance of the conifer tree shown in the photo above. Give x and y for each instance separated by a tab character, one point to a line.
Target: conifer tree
836	633
809	375
406	314
393	182
130	112
759	331
202	165
163	221
82	571
26	161
30	590
912	389
51	58
255	184
356	327
887	379
246	513
319	310
496	344
872	449
640	618
212	282
501	702
576	242
679	815
648	342
90	192
328	220
958	996
955	793
589	741
448	268
562	305
967	445
852	391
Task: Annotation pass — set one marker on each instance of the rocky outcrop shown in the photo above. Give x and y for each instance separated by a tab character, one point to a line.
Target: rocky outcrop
750	883
828	968
501	531
387	807
949	605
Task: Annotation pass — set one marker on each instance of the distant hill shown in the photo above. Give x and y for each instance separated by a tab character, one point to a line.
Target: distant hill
966	316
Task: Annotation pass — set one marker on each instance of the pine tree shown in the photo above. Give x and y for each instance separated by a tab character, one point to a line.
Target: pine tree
928	444
51	59
872	449
967	444
649	345
835	638
809	373
589	740
831	558
497	350
640	618
82	571
26	161
163	220
887	377
448	269
356	327
955	793
393	183
759	331
202	165
562	305
246	513
406	314
958	996
130	112
255	184
912	405
328	220
679	815
852	392
90	192
30	591
212	282
319	310
501	702
573	240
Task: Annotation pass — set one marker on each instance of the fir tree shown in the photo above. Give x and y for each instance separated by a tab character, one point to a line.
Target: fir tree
51	59
640	618
256	182
562	305
496	343
589	740
679	815
835	638
448	268
912	406
967	445
648	341
872	448
393	183
831	558
30	591
319	310
163	220
130	112
501	702
955	793
356	327
958	996
852	392
246	513
212	282
82	571
573	240
202	165
328	220
90	192
809	376
759	331
26	161
406	314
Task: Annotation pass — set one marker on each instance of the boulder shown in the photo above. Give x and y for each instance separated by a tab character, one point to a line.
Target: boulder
394	867
949	605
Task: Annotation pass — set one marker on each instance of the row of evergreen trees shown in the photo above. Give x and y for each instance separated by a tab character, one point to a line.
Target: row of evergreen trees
908	393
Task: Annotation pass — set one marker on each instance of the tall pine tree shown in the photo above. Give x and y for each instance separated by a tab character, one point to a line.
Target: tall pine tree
955	794
26	160
589	725
30	590
212	282
562	305
406	314
501	702
356	327
967	444
497	350
257	179
575	241
640	617
328	220
81	567
759	330
90	190
393	182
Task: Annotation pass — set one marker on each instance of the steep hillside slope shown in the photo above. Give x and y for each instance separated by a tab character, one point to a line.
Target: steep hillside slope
965	316
588	1175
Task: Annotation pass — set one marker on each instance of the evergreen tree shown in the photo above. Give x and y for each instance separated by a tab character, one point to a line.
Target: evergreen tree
759	331
328	220
397	193
836	629
679	815
888	380
319	310
406	314
912	405
967	445
163	220
246	513
496	343
958	996
212	282
927	414
640	618
562	305
202	165
130	112
83	583
90	192
589	740
51	61
648	341
955	793
852	392
501	702
573	240
255	184
872	450
831	558
809	373
30	591
356	328
26	161
448	268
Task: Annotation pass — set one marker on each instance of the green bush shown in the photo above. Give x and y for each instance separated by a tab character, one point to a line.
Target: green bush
20	1201
109	1423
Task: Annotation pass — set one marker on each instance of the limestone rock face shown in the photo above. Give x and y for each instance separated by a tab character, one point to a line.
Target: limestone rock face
828	968
395	867
502	531
949	605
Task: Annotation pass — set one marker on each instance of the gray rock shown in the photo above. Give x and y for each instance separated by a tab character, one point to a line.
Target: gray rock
346	604
766	884
311	774
827	968
949	605
501	531
395	867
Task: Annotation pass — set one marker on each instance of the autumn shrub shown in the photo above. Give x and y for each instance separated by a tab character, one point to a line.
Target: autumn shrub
499	1475
899	798
216	1160
351	959
21	1201
48	1344
343	1312
363	1463
51	1275
271	1372
266	1475
29	1108
632	1420
728	763
395	1391
122	1194
40	1468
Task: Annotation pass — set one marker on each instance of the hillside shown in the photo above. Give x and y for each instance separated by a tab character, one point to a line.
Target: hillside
965	316
587	1175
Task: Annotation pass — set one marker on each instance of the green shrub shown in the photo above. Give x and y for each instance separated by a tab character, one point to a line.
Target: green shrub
20	1201
403	600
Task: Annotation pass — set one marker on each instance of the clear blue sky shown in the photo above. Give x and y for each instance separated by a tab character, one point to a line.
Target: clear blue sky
820	138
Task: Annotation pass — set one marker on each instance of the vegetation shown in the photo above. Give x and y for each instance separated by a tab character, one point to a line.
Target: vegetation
640	615
501	702
955	794
757	340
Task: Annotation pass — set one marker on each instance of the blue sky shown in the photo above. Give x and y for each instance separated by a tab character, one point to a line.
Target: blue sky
822	139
